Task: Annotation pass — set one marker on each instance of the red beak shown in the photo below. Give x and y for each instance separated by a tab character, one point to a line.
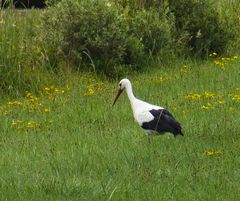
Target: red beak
117	96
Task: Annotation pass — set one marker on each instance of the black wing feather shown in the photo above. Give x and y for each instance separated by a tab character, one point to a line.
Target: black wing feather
163	122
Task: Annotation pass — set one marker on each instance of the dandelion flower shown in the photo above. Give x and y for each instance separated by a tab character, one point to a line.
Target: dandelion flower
205	107
209	95
32	124
221	102
89	92
46	110
47	89
15	122
213	152
236	98
15	103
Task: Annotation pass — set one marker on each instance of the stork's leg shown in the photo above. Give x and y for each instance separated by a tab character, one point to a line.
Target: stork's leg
148	134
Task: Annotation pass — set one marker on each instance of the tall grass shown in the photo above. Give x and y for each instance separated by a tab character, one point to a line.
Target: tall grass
16	40
23	60
27	62
83	149
229	10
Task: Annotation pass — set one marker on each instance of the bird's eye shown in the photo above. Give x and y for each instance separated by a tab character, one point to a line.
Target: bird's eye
120	84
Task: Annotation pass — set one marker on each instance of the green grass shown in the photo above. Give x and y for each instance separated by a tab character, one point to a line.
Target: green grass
24	64
66	142
83	149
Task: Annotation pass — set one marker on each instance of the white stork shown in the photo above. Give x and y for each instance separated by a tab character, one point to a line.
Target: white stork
152	118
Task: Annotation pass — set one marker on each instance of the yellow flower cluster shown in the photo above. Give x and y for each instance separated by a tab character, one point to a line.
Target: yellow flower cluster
31	97
213	152
221	62
21	124
46	110
213	54
160	80
211	100
193	96
31	102
35	106
15	103
207	106
235	96
51	91
185	69
94	88
89	91
205	95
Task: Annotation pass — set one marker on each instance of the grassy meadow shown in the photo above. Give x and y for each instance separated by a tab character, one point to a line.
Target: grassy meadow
68	143
61	139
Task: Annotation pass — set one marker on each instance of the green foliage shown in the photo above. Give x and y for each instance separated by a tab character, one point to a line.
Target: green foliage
154	28
199	23
134	55
88	33
52	2
102	36
110	38
19	68
139	4
229	12
25	61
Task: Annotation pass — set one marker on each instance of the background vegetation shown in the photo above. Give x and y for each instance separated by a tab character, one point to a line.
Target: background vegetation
110	38
59	69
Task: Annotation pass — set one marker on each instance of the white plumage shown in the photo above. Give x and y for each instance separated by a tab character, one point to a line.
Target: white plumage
152	118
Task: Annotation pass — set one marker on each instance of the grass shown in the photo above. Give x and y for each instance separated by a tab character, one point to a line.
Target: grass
83	149
24	64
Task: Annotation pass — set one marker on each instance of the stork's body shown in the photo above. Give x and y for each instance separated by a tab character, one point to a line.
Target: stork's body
152	118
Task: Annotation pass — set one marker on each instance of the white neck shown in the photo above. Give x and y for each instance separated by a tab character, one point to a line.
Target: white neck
130	93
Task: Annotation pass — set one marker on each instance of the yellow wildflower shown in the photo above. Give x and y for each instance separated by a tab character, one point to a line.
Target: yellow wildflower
67	87
236	98
209	95
212	152
213	54
46	110
59	91
221	102
15	103
205	107
160	79
15	122
89	91
32	124
47	89
184	69
193	96
218	63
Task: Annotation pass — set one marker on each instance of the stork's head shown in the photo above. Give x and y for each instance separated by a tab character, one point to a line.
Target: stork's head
121	86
